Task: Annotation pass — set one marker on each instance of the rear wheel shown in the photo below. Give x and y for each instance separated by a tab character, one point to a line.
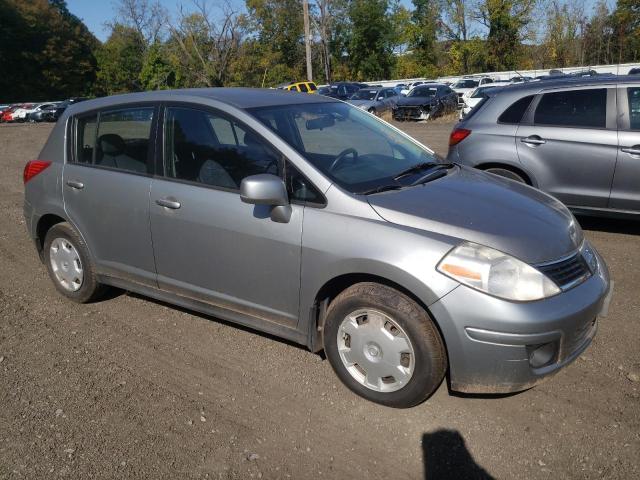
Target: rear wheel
384	346
504	172
69	264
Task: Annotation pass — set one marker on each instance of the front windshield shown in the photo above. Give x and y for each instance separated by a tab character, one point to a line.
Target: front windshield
353	148
465	84
423	92
364	94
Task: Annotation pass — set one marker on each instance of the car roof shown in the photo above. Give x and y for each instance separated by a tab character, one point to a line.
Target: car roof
242	98
560	81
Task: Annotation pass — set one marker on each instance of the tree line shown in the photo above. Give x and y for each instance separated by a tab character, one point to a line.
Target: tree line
47	52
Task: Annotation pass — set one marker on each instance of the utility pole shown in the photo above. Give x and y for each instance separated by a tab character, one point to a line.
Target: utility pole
307	38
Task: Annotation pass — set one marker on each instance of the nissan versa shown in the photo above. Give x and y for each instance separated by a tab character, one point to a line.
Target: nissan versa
310	219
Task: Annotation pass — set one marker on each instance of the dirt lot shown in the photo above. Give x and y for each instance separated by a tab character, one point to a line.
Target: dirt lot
132	388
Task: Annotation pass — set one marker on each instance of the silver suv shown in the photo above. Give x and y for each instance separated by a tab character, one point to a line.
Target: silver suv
578	140
310	219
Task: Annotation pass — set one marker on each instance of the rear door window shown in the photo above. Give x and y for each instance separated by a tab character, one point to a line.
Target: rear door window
516	110
123	139
117	139
585	108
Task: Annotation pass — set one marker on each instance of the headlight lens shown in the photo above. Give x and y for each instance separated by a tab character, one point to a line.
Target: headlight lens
496	273
589	256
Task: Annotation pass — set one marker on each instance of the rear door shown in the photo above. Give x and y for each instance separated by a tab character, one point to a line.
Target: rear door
568	140
625	190
106	183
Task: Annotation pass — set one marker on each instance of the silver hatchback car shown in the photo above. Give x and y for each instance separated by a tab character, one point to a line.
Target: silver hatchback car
578	140
310	219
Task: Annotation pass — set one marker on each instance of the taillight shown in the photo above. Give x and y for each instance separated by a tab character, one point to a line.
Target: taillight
33	168
458	135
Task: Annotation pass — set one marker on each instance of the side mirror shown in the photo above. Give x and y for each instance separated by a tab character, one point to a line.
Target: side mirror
267	189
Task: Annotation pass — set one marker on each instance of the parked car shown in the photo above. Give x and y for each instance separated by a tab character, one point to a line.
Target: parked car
20	113
399	87
634	71
405	91
341	90
472	98
7	115
304	87
55	113
467	84
577	139
520	79
374	100
425	102
39	111
45	113
309	219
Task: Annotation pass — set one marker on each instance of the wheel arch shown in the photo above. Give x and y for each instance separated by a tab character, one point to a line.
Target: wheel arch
506	166
44	224
334	286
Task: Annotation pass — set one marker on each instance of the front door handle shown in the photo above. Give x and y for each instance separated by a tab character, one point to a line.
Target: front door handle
75	184
635	150
168	203
533	140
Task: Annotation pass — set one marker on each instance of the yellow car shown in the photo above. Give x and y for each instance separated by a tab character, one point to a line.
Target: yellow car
304	87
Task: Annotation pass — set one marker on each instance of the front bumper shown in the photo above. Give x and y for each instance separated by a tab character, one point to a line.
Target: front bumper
412	113
489	340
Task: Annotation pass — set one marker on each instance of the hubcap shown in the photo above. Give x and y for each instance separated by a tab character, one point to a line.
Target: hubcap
66	264
375	350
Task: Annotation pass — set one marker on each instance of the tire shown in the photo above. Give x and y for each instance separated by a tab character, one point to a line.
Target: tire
77	284
385	317
504	172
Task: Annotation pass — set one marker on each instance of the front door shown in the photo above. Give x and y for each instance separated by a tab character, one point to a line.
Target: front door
569	145
625	190
106	183
208	244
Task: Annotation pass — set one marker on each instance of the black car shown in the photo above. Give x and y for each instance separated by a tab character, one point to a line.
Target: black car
54	114
340	90
426	101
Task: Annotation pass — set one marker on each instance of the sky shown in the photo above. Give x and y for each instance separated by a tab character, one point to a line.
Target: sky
95	13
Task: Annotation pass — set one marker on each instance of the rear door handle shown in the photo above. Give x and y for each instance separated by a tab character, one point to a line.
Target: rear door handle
533	140
75	184
635	150
168	203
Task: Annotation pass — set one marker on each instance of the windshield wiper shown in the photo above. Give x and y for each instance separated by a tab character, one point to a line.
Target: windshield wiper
422	166
382	188
427	177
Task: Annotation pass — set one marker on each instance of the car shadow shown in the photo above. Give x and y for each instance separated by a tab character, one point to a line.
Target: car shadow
609	225
445	456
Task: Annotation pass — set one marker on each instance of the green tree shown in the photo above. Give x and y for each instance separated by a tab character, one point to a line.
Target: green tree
45	52
157	72
371	44
426	23
120	61
507	22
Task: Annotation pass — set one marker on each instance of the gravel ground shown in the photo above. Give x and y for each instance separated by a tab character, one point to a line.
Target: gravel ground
133	388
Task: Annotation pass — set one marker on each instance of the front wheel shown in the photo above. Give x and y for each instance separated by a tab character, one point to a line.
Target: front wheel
383	345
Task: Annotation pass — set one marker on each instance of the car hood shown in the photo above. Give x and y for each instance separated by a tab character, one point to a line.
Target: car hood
414	101
485	209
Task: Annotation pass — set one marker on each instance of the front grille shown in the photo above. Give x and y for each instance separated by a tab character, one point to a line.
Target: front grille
568	272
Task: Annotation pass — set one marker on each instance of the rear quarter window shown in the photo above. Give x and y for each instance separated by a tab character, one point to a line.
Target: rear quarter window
515	112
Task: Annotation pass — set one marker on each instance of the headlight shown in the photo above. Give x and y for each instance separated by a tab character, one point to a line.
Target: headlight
496	273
